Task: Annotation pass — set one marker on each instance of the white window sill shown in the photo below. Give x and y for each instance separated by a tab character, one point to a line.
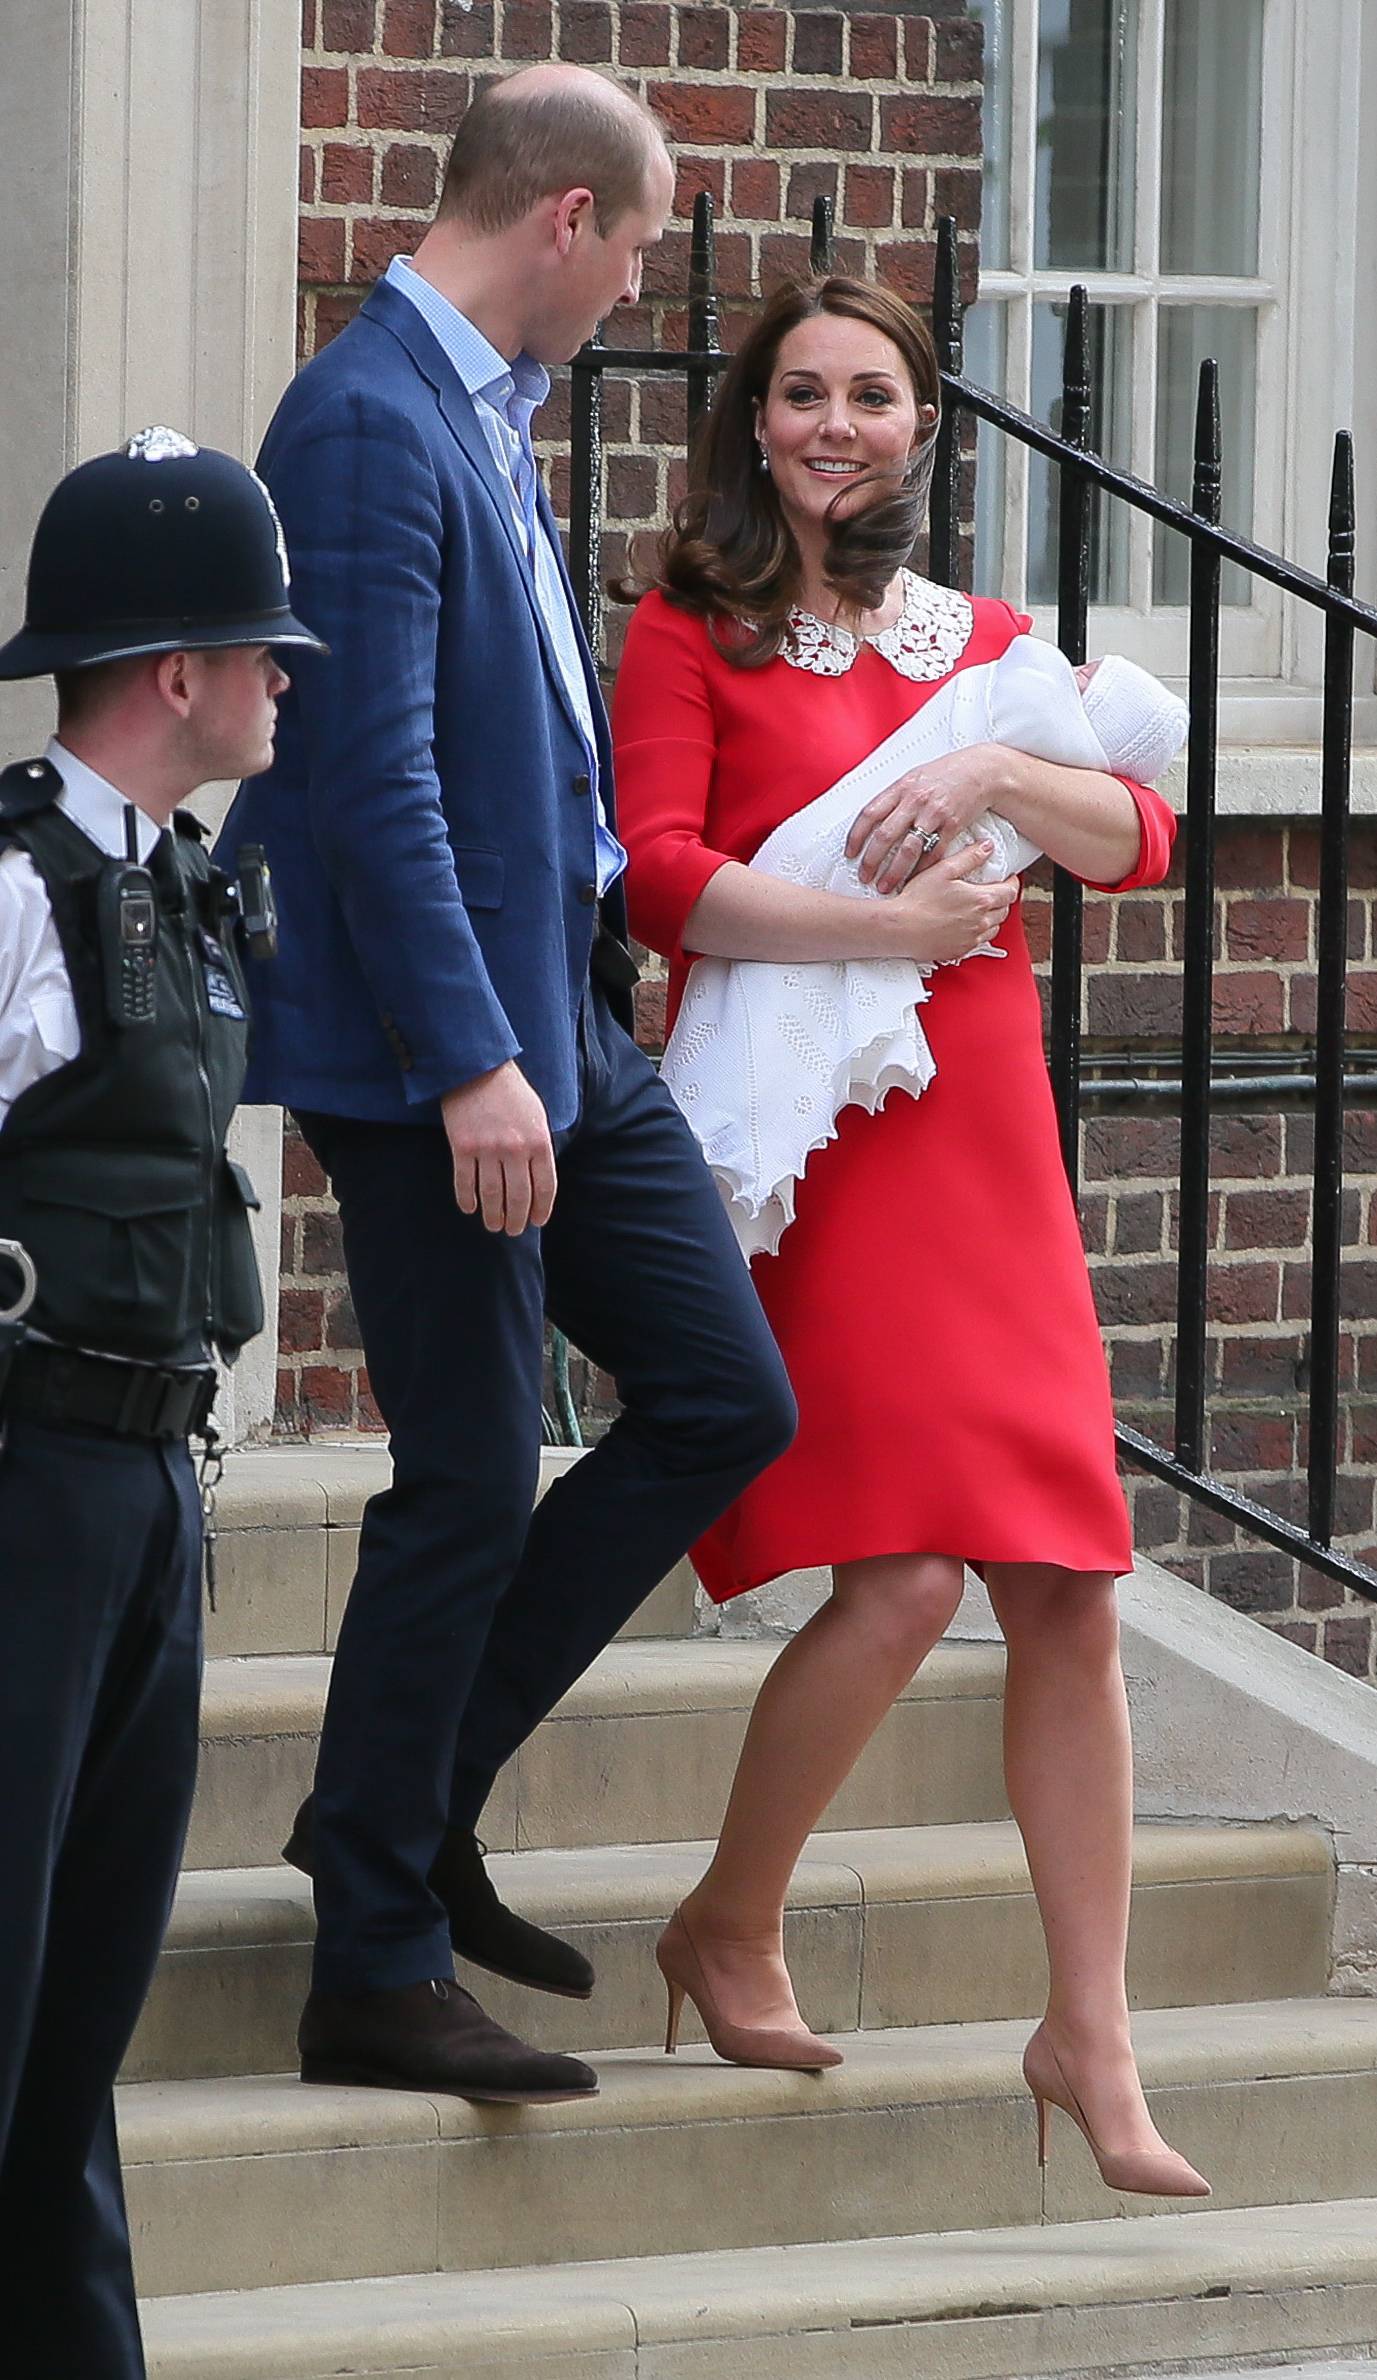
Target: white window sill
1270	781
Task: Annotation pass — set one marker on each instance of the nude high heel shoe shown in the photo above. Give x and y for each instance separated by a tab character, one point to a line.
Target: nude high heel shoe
742	2045
1151	2173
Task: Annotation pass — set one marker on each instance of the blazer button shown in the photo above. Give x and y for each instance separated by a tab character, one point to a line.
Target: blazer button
582	785
588	894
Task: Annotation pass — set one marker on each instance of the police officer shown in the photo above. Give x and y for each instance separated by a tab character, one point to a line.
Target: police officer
157	589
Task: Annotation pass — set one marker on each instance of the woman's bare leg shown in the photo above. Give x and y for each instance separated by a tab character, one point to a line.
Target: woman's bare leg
814	1716
1068	1764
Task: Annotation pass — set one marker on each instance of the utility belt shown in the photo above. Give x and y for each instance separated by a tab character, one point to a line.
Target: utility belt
73	1388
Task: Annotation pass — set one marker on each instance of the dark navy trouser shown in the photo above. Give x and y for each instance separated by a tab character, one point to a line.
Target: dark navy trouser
100	1659
469	1618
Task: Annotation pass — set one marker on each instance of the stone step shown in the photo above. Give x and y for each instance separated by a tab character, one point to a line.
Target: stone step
1037	2300
288	1519
917	1926
250	2184
641	1751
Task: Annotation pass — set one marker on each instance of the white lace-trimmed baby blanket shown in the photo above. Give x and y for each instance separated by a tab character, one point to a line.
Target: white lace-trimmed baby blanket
764	1056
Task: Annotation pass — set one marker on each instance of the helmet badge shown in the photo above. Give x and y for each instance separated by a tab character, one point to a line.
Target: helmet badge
159	445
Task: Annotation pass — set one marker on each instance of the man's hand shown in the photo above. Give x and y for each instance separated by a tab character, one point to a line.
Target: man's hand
504	1161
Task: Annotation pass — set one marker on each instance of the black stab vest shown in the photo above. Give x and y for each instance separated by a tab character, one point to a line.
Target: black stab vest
113	1170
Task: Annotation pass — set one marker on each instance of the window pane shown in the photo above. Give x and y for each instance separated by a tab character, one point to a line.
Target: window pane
1087	110
1211	136
1186	334
1111	348
987	327
996	129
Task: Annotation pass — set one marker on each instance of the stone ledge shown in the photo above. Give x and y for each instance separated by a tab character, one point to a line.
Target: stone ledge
886	1927
1109	2294
288	1519
930	2126
1275	782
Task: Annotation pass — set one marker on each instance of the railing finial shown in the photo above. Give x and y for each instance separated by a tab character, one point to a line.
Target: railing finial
1209	445
1343	515
820	248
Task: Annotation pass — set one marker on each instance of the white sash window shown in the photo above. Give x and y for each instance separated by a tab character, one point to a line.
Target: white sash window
1204	167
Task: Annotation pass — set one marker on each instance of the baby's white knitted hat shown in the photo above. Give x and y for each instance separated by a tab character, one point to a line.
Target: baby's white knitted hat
1135	718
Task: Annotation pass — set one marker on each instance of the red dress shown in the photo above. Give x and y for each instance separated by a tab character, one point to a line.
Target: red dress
931	1298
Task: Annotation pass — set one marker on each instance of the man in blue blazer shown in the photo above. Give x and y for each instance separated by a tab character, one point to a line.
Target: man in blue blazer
449	1020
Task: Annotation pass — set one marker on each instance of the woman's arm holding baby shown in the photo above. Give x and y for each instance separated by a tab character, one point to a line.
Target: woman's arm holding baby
742	913
1084	819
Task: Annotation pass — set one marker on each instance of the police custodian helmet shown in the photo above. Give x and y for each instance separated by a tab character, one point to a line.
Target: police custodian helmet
163	547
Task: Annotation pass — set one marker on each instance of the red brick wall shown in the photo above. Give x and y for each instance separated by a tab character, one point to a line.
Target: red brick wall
766	106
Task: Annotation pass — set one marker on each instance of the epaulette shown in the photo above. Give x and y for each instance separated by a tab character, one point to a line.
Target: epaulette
28	786
187	824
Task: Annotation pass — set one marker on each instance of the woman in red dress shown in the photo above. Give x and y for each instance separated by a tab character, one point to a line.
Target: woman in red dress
930	1298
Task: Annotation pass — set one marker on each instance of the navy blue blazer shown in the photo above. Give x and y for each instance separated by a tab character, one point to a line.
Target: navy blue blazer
428	817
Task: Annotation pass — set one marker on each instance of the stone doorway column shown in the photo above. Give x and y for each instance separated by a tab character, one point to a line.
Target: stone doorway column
147	274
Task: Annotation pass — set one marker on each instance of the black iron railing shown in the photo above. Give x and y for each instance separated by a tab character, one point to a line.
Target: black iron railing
1195	1082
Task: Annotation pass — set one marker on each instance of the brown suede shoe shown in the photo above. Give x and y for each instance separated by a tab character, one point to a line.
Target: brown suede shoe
483	1931
430	2037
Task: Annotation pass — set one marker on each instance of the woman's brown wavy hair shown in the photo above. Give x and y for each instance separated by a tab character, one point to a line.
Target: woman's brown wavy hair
730	555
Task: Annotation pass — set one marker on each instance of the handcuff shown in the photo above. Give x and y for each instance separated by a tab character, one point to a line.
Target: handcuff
12	1337
12	1328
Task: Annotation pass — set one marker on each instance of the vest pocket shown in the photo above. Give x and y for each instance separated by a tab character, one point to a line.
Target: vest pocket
238	1299
111	1232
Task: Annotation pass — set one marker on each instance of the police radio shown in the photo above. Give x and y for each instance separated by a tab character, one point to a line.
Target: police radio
127	915
257	907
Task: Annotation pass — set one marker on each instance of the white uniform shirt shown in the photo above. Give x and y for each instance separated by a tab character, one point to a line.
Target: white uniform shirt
38	1019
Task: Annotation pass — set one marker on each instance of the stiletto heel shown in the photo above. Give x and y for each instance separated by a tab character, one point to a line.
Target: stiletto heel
1041	2106
742	2045
1151	2173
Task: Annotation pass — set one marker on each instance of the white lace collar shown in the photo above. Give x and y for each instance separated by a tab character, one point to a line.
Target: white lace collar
928	638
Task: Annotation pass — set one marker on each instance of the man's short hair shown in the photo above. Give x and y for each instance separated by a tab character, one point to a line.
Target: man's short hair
514	148
82	692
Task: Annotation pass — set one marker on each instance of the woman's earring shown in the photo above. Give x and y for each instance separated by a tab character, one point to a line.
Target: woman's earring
764	456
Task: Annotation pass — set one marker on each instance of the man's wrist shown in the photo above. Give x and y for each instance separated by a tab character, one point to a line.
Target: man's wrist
474	1082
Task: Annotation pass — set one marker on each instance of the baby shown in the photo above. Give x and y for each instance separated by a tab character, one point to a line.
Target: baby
763	1057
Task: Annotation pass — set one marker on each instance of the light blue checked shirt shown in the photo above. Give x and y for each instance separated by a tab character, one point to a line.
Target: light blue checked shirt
504	398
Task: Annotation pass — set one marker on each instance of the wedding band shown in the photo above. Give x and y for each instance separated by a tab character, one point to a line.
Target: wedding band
928	840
